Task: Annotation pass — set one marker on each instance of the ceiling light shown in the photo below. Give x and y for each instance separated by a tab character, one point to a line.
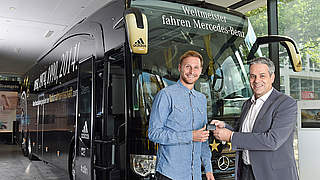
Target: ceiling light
48	33
12	8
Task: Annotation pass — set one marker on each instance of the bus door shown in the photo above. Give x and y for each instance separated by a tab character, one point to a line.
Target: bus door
109	125
85	102
39	124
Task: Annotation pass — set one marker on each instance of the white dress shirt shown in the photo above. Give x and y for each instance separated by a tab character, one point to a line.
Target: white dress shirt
251	118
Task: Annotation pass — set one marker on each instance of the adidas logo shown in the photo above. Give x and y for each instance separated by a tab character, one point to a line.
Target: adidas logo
139	43
85	127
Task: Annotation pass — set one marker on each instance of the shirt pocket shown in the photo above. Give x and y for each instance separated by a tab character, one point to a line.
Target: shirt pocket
179	117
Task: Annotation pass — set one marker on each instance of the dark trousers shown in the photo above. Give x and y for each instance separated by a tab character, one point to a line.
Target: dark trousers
246	172
161	177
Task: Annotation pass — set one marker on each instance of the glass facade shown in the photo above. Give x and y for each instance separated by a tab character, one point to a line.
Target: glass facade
299	19
300	25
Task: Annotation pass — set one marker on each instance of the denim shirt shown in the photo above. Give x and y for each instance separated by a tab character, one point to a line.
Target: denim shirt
176	112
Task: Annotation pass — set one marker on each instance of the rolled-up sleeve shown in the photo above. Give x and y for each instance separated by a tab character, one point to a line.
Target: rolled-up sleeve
157	131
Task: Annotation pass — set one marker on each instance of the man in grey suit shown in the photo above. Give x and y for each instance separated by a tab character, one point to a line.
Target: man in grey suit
263	136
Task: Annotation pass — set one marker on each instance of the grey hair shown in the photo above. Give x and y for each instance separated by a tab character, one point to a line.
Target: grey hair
266	61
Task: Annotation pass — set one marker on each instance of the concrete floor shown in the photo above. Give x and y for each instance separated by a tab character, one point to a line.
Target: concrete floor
14	166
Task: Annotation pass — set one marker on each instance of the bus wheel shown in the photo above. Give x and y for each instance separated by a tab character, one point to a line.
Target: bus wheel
30	155
71	163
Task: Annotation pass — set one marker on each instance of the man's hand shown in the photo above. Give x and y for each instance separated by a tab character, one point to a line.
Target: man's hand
209	176
200	135
222	134
219	124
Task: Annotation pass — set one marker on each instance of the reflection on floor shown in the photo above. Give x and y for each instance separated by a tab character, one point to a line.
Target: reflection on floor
14	166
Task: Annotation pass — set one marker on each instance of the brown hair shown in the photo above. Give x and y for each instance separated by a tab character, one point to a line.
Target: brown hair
191	53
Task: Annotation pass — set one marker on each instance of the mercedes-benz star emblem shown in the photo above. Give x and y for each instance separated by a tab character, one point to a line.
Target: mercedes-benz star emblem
223	163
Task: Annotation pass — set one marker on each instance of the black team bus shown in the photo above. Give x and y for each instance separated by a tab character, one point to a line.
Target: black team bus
86	103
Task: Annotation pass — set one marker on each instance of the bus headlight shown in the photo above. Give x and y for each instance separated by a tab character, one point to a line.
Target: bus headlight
143	164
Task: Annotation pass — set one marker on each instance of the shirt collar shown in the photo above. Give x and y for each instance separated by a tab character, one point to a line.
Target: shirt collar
187	91
262	98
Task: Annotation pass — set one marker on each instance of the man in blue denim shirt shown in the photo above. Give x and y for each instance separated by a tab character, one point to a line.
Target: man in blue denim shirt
177	124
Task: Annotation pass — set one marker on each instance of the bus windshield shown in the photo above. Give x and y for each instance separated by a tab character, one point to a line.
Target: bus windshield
224	40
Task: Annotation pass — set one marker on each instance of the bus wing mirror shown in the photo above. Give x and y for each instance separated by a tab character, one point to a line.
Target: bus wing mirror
287	42
137	30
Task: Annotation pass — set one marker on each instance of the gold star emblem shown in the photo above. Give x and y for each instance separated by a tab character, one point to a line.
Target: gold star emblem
230	146
214	145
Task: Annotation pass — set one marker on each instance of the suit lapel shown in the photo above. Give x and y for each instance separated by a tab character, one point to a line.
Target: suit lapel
273	96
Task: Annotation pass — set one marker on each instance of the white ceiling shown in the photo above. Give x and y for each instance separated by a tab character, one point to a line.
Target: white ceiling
24	24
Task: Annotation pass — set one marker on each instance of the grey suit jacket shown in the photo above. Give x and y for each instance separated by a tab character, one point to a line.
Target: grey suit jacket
270	143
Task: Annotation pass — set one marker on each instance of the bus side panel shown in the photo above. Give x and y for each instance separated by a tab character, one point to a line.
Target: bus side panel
54	79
